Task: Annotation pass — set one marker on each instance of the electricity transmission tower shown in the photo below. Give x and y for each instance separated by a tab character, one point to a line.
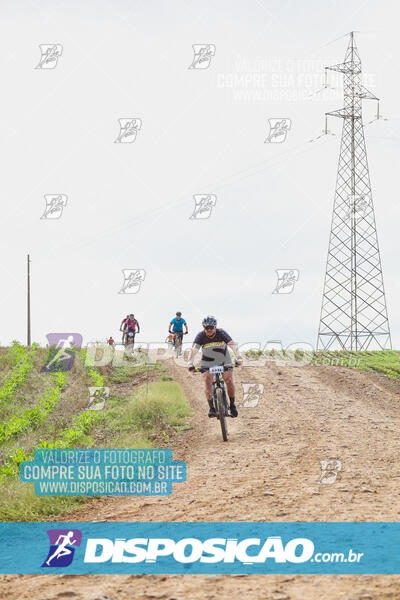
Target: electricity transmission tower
353	313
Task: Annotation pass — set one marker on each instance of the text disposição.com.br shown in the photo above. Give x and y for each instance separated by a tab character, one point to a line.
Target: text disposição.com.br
213	550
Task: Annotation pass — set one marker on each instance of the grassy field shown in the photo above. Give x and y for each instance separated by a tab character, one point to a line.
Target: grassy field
51	410
386	362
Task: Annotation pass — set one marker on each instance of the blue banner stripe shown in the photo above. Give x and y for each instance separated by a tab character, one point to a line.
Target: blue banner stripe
111	548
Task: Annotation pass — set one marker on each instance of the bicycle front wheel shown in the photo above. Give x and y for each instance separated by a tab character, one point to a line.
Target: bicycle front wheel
178	346
221	414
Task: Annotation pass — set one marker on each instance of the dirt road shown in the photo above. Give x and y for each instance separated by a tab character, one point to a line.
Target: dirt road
269	471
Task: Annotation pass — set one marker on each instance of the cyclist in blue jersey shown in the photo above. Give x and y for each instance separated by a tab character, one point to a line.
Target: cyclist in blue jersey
177	324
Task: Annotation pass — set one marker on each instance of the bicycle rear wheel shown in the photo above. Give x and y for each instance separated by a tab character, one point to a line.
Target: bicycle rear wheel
221	414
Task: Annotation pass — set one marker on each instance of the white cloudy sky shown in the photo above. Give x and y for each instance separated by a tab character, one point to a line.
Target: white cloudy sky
203	131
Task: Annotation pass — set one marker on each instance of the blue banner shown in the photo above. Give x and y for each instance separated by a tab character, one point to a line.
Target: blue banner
200	548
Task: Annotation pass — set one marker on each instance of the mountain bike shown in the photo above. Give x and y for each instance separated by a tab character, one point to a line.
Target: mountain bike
177	343
219	395
129	338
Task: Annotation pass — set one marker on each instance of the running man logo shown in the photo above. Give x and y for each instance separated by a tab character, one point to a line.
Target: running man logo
61	551
128	129
252	393
61	353
55	203
278	129
97	397
357	207
50	53
286	280
133	279
203	205
203	54
329	471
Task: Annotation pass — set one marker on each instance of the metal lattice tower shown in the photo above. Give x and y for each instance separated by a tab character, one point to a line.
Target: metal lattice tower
353	313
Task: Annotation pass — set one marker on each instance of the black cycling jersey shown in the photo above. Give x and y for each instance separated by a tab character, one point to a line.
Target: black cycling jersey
214	349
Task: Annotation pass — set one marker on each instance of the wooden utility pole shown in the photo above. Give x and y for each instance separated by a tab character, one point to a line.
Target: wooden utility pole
29	303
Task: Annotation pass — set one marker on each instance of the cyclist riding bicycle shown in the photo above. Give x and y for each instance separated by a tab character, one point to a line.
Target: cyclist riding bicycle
130	327
123	327
214	343
177	324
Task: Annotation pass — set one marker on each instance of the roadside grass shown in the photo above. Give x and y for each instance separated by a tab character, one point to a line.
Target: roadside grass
131	420
153	410
125	374
386	362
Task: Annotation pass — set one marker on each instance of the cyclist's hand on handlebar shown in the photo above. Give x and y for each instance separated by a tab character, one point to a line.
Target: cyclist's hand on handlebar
238	361
191	366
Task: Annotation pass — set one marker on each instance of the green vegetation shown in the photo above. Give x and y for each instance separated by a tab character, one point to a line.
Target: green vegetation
380	361
31	417
52	412
125	374
15	379
130	421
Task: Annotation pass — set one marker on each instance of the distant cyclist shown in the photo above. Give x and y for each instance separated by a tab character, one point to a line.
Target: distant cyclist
123	327
111	341
214	343
131	326
176	324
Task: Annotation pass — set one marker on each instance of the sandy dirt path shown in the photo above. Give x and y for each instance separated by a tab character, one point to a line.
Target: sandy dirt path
268	471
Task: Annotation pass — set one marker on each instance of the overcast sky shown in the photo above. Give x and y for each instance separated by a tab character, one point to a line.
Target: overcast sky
203	131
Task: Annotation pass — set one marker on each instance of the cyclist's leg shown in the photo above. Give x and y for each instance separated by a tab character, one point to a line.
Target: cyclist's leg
230	386
180	338
208	379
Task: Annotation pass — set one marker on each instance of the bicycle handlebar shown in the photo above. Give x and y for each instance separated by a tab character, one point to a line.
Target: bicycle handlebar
204	369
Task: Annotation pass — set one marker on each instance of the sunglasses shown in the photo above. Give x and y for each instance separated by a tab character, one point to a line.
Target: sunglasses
209	327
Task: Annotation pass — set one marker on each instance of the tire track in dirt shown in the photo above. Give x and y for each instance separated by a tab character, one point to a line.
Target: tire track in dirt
268	471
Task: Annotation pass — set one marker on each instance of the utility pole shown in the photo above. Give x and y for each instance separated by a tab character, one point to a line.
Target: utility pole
353	314
29	302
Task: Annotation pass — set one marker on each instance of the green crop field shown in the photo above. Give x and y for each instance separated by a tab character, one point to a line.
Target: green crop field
386	362
52	410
